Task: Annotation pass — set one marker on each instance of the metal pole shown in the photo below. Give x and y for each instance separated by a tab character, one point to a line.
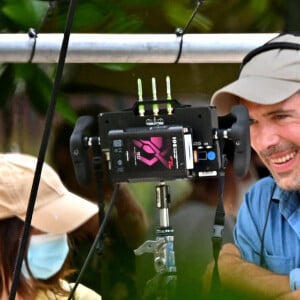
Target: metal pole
131	48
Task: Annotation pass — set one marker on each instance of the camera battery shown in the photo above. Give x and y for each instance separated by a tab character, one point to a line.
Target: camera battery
150	153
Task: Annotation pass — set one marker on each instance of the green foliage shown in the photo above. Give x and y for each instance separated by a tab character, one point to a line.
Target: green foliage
259	5
245	16
23	13
120	16
38	87
117	67
19	16
178	15
98	16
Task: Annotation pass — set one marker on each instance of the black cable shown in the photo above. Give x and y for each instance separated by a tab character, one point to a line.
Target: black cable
43	147
97	238
32	33
98	171
262	261
217	238
180	32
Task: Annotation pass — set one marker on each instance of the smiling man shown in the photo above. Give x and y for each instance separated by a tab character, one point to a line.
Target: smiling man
264	262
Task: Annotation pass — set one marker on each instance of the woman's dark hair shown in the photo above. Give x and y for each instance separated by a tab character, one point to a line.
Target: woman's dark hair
10	236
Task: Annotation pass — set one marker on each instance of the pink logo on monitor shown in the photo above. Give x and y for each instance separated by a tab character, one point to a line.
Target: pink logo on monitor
153	151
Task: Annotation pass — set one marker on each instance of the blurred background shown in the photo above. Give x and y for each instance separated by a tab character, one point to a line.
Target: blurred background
26	88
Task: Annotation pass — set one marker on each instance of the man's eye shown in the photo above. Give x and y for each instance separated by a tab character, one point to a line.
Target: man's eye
280	117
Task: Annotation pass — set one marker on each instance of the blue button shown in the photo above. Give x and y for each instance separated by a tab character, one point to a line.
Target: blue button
211	155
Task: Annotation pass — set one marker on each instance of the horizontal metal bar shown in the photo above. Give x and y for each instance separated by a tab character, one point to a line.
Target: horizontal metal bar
131	48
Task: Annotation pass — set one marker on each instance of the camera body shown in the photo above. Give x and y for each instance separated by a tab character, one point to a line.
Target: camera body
181	142
163	147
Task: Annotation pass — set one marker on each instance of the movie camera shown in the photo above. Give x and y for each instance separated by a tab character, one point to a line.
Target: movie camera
163	140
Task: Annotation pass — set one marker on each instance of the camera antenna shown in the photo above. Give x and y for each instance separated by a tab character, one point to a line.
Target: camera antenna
154	95
169	97
140	98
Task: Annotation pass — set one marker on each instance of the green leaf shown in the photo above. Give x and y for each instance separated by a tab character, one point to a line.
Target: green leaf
39	88
117	67
179	15
65	110
26	14
259	6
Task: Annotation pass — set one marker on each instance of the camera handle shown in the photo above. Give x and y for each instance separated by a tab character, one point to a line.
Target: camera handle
79	149
163	285
79	145
239	133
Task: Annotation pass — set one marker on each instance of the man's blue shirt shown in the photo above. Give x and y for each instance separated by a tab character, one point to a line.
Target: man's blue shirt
280	247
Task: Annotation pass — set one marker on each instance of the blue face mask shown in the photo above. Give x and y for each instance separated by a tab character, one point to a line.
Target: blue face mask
46	255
